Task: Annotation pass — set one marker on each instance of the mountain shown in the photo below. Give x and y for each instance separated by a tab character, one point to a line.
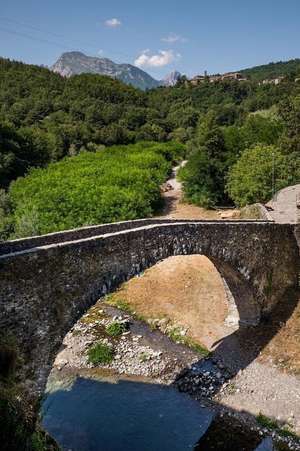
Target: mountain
171	79
74	63
272	70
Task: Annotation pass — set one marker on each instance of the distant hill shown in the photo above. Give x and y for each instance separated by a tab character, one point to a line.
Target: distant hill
75	63
272	70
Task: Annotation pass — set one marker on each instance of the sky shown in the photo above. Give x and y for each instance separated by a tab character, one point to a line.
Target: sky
158	36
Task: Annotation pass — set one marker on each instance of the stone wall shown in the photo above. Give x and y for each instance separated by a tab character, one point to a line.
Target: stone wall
46	288
21	244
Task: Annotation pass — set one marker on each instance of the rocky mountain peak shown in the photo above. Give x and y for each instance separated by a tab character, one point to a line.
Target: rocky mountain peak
172	78
74	63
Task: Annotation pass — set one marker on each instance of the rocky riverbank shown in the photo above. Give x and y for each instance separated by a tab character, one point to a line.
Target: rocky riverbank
144	353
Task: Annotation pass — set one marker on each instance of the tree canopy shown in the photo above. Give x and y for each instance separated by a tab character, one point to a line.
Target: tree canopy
63	160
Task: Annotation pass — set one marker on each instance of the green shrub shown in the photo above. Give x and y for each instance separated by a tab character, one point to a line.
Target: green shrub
116	328
118	183
100	353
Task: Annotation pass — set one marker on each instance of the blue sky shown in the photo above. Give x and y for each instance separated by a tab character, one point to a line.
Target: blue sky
158	35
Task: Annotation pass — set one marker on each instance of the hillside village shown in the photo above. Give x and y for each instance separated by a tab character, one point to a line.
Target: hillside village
232	76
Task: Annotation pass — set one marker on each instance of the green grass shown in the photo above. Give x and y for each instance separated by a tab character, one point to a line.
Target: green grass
121	304
115	329
100	353
175	335
272	424
266	422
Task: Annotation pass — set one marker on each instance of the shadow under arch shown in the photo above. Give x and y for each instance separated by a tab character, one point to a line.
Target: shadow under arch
238	349
240	292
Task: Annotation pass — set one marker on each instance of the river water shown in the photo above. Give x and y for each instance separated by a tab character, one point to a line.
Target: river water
123	415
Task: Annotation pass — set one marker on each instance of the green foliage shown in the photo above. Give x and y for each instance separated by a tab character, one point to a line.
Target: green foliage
45	117
18	428
250	178
6	220
213	152
289	111
144	357
204	174
100	353
119	183
273	70
116	328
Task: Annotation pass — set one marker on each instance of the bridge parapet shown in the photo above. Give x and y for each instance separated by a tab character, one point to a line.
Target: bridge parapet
17	245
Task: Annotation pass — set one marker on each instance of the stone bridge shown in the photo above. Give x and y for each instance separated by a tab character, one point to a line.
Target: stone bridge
48	282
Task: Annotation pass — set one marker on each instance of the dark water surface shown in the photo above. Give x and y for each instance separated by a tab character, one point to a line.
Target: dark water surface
93	415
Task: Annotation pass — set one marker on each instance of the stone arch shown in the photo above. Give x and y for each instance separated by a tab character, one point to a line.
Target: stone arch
249	310
45	289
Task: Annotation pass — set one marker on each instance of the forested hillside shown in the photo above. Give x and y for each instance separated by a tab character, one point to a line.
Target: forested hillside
235	133
44	117
273	70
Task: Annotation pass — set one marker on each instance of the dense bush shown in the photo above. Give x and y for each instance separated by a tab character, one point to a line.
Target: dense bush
251	178
118	183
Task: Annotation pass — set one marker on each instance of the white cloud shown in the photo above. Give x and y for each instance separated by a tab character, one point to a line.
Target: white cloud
171	38
162	58
113	23
100	52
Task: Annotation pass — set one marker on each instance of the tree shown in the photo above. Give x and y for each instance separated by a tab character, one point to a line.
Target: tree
151	132
6	221
250	178
289	111
10	164
204	174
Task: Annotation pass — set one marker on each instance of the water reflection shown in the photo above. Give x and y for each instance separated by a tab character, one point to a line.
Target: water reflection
93	415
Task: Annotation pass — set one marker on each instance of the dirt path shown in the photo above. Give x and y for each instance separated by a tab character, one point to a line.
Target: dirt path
176	208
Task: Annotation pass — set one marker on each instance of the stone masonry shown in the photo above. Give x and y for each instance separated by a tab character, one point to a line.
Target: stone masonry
47	283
